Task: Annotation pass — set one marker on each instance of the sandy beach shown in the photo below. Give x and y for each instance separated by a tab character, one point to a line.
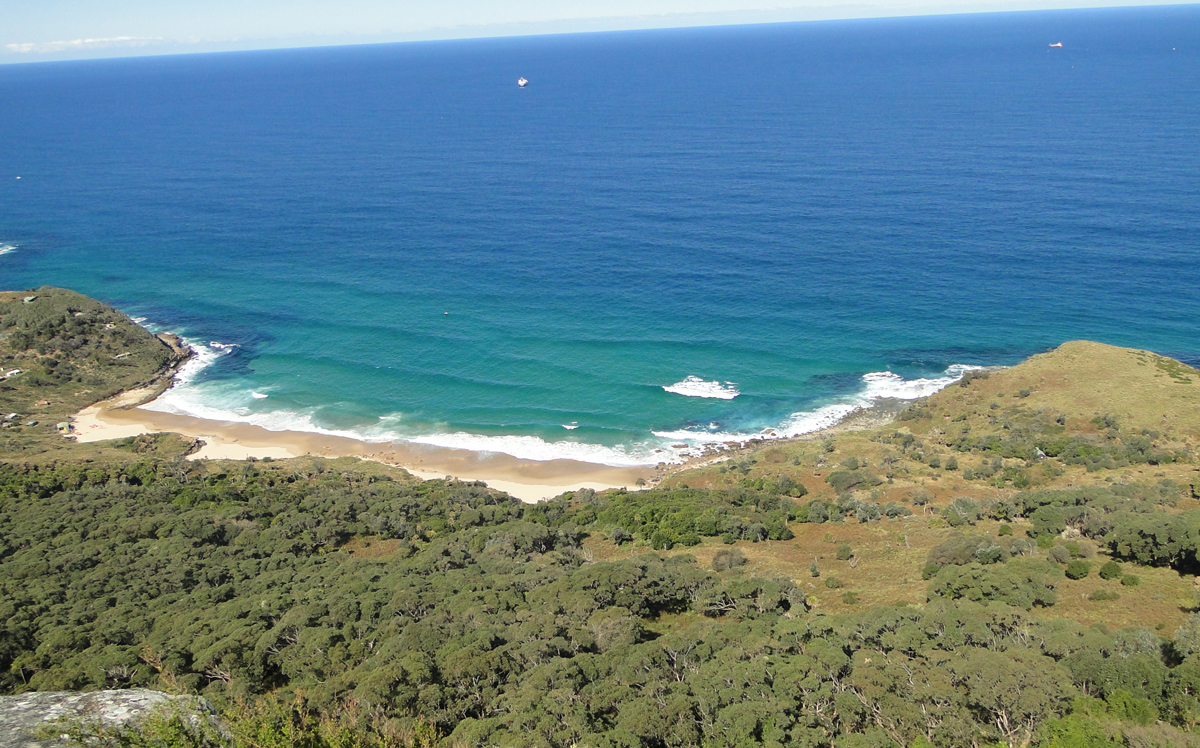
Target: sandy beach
528	480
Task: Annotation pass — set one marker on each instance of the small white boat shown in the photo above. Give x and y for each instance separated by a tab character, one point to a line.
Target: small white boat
522	82
1056	44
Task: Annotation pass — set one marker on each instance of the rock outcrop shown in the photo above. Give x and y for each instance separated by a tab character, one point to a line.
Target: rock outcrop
23	717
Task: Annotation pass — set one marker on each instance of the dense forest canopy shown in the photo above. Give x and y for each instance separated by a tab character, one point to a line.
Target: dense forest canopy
454	606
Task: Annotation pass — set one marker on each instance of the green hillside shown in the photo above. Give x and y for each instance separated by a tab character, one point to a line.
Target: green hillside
1011	562
60	352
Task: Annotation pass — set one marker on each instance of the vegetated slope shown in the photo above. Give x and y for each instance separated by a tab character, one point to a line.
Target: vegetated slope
1053	422
61	351
295	593
963	551
1082	379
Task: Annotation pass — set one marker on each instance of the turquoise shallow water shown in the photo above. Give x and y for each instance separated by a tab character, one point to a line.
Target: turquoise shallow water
395	242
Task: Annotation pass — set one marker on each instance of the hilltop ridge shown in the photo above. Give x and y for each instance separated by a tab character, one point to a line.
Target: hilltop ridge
1085	379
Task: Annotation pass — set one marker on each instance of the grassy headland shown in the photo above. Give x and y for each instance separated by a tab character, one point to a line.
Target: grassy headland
61	351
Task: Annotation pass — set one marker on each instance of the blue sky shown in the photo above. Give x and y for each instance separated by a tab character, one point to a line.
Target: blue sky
38	30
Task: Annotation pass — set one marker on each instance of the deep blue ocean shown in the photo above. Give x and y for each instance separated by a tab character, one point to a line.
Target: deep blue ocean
667	234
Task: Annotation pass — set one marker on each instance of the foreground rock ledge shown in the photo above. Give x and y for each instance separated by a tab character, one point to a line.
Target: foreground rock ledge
22	717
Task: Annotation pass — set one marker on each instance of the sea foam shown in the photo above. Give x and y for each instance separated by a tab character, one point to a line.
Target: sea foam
877	385
536	448
230	404
885	384
693	386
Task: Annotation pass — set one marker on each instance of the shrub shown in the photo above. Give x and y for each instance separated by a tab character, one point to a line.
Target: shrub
1131	580
1059	555
849	597
844	552
1005	530
728	538
964	549
1021	547
818	512
833	583
1125	706
962	511
786	486
970	376
952	463
620	535
1047	520
728	559
930	571
990	554
1111	570
844	480
1022	583
1078	569
813	570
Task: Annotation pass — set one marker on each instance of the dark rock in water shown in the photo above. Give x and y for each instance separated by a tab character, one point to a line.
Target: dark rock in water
22	717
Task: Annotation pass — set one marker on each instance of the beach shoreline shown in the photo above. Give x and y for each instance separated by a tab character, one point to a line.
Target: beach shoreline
528	480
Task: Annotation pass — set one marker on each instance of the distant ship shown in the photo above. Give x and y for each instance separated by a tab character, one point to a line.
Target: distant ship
521	82
1056	44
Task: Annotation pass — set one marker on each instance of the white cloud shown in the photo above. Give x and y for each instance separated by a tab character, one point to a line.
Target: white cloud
81	44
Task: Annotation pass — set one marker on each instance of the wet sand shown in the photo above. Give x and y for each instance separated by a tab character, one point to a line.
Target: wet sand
528	480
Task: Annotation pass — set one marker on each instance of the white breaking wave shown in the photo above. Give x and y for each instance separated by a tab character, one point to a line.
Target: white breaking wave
694	386
6	248
885	384
796	424
202	358
208	402
877	385
205	401
536	448
806	422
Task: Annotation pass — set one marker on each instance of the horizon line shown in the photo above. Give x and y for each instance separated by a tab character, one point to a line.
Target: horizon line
124	47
